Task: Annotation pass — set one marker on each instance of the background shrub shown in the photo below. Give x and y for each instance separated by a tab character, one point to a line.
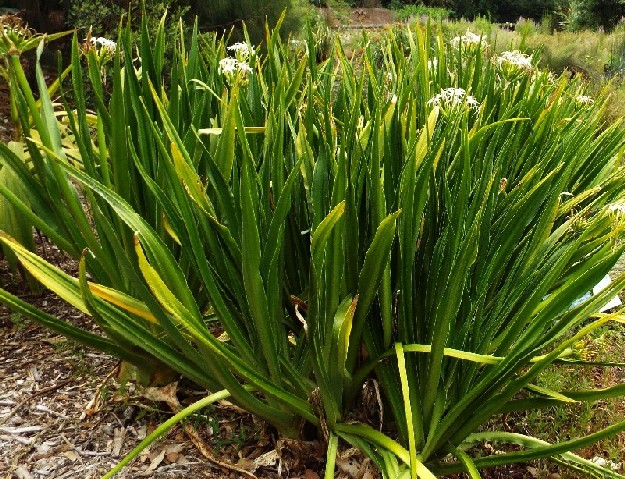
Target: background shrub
224	15
103	16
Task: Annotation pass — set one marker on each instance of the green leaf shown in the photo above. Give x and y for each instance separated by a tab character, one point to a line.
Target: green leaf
321	234
376	260
403	376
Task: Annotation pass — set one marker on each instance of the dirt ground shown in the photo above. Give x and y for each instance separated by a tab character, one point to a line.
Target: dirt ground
5	112
358	17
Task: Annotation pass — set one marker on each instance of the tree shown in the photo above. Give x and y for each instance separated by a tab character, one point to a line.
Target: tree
223	15
596	13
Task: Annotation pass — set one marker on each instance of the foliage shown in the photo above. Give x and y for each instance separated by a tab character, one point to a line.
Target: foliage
16	39
11	219
406	12
282	230
500	11
220	16
224	15
592	14
101	17
574	14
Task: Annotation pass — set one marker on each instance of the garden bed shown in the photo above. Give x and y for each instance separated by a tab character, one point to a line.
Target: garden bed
64	410
63	414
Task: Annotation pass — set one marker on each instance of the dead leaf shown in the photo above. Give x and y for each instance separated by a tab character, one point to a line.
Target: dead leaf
156	461
71	455
22	473
268	459
349	462
119	434
166	394
310	474
142	432
247	464
172	452
534	472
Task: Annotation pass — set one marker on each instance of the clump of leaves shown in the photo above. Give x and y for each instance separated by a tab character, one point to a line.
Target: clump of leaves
418	222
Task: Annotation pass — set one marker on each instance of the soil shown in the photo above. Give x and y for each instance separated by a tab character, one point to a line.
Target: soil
358	17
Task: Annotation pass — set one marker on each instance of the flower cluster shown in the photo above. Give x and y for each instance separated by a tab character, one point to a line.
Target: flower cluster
242	51
103	44
469	41
103	48
232	69
452	97
584	100
513	65
237	68
14	34
515	59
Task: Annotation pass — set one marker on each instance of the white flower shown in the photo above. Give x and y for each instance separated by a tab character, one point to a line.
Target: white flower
584	100
470	39
515	58
228	65
433	64
244	67
232	69
241	47
104	43
450	97
242	51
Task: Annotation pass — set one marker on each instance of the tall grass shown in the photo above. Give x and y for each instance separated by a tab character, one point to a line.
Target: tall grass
283	234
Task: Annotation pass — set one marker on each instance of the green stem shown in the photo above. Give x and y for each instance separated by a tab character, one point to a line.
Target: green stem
166	426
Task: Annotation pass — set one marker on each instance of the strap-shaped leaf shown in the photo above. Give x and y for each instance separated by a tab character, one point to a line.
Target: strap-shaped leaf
321	234
405	388
376	260
256	296
537	448
50	276
68	330
124	301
